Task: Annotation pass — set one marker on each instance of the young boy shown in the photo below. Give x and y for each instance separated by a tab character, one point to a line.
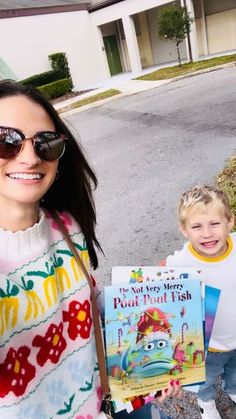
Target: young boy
205	219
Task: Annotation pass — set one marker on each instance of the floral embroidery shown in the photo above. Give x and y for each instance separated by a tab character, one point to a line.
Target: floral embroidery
79	319
16	372
65	218
51	345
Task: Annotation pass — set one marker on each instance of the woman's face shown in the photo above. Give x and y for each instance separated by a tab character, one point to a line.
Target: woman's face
24	179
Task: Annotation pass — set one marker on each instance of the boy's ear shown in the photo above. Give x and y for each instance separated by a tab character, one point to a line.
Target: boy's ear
183	230
231	222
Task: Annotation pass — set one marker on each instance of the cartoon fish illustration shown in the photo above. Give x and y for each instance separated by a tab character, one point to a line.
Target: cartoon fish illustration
152	354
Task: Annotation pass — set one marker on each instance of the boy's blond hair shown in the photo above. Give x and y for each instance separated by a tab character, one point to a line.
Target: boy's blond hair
200	197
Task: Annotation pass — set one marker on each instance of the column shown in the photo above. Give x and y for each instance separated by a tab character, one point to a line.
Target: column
204	30
132	44
193	33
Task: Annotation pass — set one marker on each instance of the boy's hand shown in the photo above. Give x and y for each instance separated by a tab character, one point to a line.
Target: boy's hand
174	390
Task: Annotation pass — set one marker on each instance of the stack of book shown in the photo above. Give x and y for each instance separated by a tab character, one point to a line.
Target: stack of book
158	323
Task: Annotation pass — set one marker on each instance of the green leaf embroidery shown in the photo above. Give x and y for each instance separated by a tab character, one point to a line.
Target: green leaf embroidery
68	406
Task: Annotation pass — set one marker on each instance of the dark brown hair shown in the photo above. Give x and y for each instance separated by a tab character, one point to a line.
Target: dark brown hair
72	191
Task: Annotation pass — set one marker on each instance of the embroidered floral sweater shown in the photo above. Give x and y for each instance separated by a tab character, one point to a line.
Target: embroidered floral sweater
48	366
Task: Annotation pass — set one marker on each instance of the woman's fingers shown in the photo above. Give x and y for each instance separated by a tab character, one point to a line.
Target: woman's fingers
174	389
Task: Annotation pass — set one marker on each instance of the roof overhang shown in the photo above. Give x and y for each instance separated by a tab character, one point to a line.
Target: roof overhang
33	11
105	3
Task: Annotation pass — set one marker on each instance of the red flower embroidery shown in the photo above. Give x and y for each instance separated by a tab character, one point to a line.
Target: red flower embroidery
79	318
51	345
16	372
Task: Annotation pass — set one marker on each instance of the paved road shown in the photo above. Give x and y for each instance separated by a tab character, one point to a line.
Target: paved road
146	149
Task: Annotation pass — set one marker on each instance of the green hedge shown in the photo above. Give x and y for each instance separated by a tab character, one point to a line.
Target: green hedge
59	62
56	89
42	78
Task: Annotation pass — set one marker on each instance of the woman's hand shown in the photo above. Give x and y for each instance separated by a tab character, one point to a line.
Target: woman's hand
174	389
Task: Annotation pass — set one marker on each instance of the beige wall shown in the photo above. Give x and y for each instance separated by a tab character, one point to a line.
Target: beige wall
221	30
198	24
143	39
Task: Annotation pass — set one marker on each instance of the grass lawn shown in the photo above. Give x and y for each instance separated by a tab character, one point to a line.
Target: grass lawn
226	180
90	99
170	72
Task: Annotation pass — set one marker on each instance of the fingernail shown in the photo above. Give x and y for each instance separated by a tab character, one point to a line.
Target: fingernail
172	383
177	382
158	393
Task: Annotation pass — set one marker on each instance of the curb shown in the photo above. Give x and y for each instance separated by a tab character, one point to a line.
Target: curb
90	105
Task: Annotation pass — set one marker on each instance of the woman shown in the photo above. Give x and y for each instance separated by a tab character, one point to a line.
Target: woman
47	359
48	364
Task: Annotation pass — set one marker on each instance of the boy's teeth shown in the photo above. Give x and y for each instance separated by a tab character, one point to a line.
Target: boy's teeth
209	244
25	176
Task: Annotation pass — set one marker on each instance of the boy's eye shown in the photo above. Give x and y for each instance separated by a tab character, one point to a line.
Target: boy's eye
215	223
195	227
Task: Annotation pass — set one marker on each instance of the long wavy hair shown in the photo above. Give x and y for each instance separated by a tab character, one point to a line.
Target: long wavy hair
72	191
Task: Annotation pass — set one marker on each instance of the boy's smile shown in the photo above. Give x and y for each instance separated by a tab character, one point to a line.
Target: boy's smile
207	230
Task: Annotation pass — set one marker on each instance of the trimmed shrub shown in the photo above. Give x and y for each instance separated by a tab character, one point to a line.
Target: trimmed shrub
59	64
42	78
56	89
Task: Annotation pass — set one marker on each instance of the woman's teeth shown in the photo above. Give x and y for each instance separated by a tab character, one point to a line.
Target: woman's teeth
29	176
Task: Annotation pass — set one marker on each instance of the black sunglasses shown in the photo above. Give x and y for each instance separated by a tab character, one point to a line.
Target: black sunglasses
48	145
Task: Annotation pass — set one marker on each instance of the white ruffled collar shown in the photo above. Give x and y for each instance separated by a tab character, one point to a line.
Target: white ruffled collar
19	245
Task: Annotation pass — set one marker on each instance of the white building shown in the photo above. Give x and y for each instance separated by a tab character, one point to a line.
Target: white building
102	38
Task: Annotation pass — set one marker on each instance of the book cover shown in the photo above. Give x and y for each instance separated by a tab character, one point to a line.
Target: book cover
137	274
154	332
212	296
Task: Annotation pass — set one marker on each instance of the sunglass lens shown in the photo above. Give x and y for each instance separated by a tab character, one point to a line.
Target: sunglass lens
49	146
10	143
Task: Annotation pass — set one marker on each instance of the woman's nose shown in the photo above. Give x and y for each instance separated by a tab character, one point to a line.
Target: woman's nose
27	154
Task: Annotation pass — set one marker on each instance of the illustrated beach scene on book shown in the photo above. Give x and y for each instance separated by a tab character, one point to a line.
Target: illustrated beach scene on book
154	332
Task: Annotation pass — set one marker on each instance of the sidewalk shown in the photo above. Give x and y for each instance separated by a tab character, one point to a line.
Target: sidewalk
122	82
127	86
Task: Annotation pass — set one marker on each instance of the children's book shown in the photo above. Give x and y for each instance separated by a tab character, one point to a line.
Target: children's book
154	333
136	274
210	295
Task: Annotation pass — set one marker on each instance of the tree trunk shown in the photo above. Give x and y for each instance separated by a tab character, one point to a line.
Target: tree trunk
178	52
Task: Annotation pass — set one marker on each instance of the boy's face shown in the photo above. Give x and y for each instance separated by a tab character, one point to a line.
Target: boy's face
207	231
